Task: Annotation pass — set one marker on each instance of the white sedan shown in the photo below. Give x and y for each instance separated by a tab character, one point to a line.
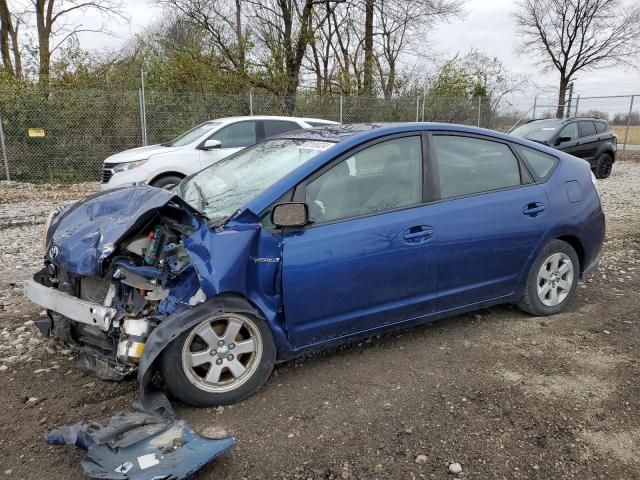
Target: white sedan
166	164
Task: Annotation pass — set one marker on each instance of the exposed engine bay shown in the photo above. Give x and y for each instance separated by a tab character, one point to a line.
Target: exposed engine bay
134	289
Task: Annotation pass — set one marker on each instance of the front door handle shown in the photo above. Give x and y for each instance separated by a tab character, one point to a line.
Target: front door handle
418	234
533	209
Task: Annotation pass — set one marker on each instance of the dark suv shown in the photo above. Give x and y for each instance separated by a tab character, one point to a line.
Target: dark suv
587	138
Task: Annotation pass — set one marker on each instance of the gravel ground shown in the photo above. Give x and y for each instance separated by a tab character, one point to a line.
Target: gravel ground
500	393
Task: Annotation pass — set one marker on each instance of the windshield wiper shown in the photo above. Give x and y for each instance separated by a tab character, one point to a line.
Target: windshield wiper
166	144
203	200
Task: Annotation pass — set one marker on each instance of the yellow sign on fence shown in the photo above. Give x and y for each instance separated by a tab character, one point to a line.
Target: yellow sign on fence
36	132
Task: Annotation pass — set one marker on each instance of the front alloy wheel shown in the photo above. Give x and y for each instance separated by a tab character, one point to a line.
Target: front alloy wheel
221	354
222	360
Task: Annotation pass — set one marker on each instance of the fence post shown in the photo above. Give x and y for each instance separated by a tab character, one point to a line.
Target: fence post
418	108
143	110
626	130
577	103
535	104
143	127
251	102
424	100
5	156
479	109
341	108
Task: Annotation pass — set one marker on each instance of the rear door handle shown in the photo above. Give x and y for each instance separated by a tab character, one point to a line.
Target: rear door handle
533	209
418	234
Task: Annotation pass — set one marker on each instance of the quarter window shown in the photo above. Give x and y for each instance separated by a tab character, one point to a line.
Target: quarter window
586	129
382	177
540	163
236	135
471	165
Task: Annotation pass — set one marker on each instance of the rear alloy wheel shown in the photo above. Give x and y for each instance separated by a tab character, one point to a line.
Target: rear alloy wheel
221	360
552	280
555	279
604	165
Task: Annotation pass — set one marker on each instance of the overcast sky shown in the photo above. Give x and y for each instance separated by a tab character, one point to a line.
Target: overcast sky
488	27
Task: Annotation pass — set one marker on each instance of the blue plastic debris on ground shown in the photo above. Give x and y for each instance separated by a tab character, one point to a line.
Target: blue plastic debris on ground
140	446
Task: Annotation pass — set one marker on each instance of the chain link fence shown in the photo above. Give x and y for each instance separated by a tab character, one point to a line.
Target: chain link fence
64	137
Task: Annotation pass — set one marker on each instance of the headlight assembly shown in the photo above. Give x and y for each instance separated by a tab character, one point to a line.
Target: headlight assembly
123	167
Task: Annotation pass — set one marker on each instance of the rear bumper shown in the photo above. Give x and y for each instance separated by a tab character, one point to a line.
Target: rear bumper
74	308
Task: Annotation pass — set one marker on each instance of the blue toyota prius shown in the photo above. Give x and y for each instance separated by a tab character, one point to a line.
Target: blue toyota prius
309	239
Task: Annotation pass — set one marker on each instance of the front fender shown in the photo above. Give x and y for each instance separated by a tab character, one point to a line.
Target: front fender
151	399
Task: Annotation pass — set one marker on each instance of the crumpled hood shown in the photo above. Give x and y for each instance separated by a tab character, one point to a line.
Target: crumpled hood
82	236
140	153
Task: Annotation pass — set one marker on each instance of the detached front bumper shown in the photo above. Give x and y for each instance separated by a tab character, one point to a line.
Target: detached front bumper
74	308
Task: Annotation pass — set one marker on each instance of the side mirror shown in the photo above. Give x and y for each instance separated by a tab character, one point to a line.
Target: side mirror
560	140
294	214
211	144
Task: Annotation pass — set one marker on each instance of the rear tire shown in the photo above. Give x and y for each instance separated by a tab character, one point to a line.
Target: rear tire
552	280
604	165
167	182
222	360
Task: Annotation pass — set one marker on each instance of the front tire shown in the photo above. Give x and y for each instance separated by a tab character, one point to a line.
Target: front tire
604	165
552	280
222	360
167	182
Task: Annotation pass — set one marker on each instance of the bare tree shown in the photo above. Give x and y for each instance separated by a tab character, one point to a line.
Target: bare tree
278	31
283	31
9	40
223	21
575	35
402	24
54	27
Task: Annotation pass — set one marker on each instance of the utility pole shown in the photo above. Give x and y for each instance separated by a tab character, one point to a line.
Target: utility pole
568	109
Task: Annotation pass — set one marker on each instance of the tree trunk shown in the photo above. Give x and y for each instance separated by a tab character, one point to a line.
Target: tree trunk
240	40
391	79
44	9
317	68
5	30
17	56
562	96
367	82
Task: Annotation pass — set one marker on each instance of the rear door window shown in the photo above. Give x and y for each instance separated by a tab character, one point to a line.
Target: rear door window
570	130
471	165
586	128
276	127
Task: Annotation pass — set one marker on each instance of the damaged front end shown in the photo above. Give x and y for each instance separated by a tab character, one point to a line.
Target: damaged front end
116	266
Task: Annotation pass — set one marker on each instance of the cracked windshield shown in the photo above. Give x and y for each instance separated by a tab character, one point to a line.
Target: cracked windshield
221	189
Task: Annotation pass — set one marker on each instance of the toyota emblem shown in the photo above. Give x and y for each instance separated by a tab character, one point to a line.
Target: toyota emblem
53	252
